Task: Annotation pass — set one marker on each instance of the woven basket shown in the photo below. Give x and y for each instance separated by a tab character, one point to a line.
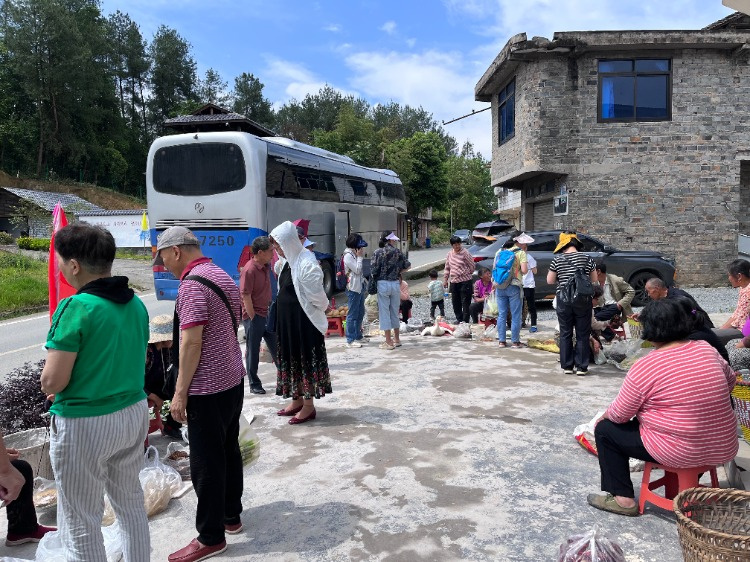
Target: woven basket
713	524
741	396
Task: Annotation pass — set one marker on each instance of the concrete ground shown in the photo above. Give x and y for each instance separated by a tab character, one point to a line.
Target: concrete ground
439	450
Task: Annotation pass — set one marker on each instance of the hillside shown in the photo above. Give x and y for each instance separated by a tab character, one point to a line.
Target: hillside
101	196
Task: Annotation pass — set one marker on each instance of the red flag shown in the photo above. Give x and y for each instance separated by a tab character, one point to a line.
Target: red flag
59	288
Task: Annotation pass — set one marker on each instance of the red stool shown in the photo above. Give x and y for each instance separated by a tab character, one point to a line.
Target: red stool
675	480
335	326
487	321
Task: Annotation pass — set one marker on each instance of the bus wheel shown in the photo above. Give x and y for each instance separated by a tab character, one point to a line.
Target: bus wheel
327	277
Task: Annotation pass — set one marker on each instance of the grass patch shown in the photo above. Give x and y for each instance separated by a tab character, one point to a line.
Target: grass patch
23	285
130	254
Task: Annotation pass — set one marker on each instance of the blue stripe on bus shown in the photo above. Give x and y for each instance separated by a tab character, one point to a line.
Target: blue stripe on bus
223	246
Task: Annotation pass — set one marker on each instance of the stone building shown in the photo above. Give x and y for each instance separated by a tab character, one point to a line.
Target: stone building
646	132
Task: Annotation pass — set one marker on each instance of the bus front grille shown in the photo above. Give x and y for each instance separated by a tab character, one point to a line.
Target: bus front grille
203	223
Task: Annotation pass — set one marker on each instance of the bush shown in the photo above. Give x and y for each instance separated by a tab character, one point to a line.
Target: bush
439	236
39	244
6	239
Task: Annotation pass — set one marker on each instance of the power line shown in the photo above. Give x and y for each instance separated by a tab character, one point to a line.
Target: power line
473	112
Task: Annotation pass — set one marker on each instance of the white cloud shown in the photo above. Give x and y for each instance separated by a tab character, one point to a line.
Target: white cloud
286	80
411	42
389	27
333	28
437	81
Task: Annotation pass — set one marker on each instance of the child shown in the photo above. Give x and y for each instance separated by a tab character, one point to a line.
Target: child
437	294
406	303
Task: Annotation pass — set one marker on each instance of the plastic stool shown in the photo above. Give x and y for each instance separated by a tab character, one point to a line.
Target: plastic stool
487	320
335	326
675	480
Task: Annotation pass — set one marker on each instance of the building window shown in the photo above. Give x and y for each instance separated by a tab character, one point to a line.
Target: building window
635	90
507	111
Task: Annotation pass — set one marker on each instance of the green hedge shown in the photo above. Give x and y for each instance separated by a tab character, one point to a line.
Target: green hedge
40	244
6	238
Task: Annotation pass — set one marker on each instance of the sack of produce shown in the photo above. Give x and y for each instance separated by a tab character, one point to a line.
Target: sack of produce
249	443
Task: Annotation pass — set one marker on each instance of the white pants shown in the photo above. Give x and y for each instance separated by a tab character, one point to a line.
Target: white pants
93	455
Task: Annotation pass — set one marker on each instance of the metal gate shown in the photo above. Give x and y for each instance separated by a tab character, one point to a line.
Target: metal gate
543	219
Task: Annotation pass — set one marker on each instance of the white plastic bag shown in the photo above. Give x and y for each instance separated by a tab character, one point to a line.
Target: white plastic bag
264	355
371	307
463	330
50	548
490	305
45	492
249	443
158	481
178	457
591	546
490	332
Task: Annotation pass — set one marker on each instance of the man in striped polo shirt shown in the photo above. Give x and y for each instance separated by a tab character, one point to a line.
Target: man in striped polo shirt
209	391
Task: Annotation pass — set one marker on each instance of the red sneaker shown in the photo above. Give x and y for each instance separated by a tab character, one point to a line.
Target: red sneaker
36	536
196	551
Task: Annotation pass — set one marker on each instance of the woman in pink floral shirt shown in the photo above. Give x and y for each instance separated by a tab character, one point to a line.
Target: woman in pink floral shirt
739	276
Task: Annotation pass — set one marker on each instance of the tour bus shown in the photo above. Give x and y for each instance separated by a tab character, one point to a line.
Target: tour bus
230	187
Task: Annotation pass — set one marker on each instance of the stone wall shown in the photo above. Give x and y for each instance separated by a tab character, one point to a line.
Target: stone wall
672	186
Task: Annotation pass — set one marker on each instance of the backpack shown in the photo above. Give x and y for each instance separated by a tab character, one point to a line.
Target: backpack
502	271
341	279
578	291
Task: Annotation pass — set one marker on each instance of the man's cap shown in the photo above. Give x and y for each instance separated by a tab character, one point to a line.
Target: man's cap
392	236
361	243
174	236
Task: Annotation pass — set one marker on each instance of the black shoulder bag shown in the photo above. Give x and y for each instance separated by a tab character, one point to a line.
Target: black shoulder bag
578	290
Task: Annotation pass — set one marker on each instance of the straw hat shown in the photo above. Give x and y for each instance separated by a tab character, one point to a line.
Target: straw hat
566	239
160	328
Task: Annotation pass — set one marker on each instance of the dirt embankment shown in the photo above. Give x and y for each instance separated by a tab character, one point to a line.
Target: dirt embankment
101	196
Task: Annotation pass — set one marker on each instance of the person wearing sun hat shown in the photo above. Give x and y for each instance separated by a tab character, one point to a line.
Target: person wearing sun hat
159	384
529	285
564	265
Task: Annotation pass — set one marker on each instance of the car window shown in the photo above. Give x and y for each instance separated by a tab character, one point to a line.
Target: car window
543	244
590	245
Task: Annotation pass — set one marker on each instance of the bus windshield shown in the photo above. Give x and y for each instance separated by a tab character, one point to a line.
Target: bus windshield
199	169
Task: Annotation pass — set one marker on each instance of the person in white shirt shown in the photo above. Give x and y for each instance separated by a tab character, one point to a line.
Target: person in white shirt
529	284
355	289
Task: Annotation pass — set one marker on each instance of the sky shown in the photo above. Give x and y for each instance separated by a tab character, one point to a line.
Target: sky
428	53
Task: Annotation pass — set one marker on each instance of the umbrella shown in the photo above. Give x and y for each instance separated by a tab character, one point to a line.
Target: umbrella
302	223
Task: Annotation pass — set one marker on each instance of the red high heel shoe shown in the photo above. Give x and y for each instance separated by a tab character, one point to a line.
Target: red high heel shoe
295	420
288	412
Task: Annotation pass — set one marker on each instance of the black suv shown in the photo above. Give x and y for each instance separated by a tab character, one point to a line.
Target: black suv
635	266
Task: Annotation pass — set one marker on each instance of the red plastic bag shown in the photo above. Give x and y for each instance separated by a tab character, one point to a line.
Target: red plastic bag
592	546
584	434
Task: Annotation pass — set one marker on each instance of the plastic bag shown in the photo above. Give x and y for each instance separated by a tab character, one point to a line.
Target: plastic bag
45	492
264	355
584	433
50	548
592	546
622	354
159	482
249	443
371	307
490	305
490	332
402	327
178	457
463	330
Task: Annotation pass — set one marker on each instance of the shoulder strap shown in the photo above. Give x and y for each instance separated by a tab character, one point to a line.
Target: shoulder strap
216	289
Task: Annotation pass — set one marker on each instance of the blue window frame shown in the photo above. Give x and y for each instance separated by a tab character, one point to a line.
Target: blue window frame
635	90
506	114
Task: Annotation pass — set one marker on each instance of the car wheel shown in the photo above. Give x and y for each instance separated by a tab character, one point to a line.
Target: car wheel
638	282
327	277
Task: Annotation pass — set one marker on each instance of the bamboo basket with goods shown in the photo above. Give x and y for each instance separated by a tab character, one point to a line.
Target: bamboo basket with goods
741	399
713	524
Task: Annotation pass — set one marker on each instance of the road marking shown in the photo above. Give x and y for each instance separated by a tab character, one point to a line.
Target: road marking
29	319
35	346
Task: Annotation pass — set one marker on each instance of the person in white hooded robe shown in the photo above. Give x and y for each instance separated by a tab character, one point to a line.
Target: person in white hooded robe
301	324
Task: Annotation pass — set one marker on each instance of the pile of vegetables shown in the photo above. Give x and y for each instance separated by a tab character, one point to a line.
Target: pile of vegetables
339	312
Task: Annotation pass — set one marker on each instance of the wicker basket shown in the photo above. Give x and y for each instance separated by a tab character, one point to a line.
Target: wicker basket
713	524
741	396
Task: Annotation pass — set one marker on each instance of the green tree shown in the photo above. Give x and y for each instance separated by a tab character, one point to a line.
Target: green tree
354	136
398	122
469	189
173	75
419	161
213	89
248	100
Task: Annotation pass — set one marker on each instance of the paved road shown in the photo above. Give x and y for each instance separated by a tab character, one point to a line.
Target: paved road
22	339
